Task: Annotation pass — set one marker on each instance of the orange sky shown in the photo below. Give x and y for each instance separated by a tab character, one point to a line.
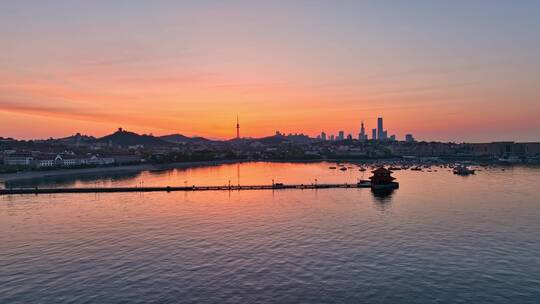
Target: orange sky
169	68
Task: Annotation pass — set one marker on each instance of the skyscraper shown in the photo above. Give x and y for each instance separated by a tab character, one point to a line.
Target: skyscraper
374	134
362	135
341	135
380	129
323	136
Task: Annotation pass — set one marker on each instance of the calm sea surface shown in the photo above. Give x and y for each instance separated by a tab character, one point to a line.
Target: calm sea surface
440	238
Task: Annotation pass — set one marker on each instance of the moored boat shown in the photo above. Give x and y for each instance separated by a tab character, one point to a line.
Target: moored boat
364	183
462	170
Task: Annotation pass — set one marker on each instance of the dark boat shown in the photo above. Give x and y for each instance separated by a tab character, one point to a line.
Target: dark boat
364	183
462	170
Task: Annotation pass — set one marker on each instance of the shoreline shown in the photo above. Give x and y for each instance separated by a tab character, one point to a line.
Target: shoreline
28	175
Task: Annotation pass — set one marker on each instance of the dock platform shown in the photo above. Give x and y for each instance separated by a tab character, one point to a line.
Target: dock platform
172	189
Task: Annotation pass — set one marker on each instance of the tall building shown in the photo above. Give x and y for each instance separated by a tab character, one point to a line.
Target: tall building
349	137
332	137
362	135
374	134
381	133
323	136
380	128
341	135
409	138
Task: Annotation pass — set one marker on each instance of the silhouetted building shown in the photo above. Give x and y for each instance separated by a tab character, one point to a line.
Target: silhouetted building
380	129
323	136
374	134
409	138
362	136
237	128
381	176
341	135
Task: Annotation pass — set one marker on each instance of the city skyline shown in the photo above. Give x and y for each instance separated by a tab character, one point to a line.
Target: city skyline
361	134
443	71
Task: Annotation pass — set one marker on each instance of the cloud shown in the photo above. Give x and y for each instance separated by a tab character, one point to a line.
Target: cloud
88	114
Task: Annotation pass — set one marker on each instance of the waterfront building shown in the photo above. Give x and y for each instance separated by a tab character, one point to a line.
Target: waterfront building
18	160
381	176
45	161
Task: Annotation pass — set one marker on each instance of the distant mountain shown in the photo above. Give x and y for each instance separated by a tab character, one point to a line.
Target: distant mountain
280	138
179	138
77	138
126	138
272	140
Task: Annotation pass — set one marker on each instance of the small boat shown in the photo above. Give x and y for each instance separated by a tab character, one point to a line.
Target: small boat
333	168
416	169
462	170
343	168
364	183
362	169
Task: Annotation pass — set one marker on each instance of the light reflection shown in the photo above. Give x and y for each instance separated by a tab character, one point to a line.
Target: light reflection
382	198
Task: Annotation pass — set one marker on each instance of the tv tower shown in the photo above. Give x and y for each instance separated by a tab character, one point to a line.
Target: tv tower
237	128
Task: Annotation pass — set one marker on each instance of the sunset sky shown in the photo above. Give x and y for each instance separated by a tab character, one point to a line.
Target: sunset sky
443	70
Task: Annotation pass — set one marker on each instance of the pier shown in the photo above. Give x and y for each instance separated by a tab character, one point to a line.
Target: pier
276	186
